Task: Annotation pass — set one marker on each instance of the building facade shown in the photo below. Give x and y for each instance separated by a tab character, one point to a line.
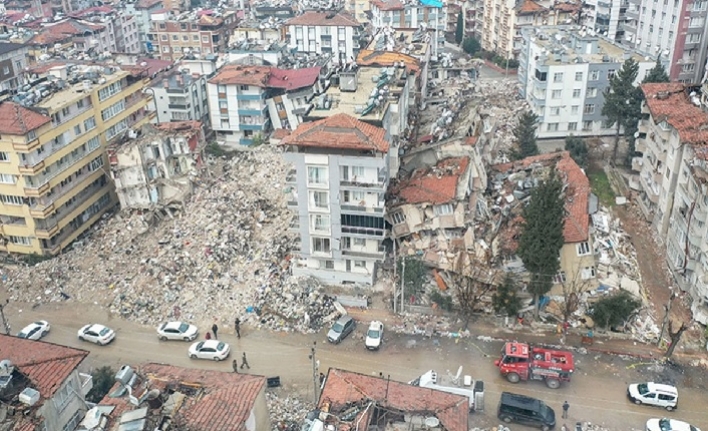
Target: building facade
675	30
607	18
54	186
341	172
179	95
121	27
141	10
563	73
13	62
427	15
172	37
327	32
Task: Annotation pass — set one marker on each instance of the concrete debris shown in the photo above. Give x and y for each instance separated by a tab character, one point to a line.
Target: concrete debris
225	255
286	411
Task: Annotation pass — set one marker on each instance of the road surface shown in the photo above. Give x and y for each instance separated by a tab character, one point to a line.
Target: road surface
597	392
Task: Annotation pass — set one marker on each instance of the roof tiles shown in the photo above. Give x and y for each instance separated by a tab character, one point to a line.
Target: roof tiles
326	18
293	79
17	120
340	131
435	186
242	75
669	102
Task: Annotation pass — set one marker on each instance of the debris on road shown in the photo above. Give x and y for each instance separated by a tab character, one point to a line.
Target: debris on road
286	412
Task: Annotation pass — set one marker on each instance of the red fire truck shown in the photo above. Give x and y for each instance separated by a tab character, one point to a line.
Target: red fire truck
519	361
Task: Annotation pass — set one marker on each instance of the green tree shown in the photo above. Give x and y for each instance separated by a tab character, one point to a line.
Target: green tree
506	299
578	150
525	134
613	310
103	380
414	274
622	100
657	73
542	235
460	29
471	46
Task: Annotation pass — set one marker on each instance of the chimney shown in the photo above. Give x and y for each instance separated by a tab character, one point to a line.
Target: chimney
166	83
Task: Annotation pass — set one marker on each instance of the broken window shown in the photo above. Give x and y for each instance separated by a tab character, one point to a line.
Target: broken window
541	76
588	272
398	218
359	264
583	248
360	242
444	209
321	245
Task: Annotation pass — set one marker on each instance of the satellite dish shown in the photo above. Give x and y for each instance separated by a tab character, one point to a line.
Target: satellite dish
432	422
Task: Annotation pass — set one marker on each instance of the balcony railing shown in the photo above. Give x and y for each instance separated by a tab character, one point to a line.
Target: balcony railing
44	179
45	205
367	231
362	208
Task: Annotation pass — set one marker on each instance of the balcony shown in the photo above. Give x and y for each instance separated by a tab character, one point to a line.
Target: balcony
86	383
47	228
37	191
650	187
26	147
640	146
45	206
363	254
355	184
291	177
43	180
362	208
251	112
364	231
250	96
180	91
255	127
178	106
32	169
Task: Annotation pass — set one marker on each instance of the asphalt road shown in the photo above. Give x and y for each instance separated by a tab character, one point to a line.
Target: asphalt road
596	394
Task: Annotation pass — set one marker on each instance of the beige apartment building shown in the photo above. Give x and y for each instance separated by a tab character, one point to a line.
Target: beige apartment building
54	181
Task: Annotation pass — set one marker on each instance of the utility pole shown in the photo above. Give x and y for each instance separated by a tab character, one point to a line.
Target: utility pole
667	309
395	273
5	323
403	277
315	376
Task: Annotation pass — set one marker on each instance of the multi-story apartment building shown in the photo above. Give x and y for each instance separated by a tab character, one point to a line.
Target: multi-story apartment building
13	62
428	15
291	95
171	36
53	185
327	32
87	36
563	73
673	176
675	29
179	95
606	17
341	172
358	9
122	27
142	9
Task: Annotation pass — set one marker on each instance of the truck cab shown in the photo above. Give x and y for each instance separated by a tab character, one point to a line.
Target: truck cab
519	361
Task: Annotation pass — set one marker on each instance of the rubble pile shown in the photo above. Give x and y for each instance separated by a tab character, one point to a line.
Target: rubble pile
225	254
286	411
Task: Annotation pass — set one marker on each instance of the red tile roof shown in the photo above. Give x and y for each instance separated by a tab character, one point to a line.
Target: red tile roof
293	79
47	365
242	75
669	102
436	185
388	4
17	120
326	18
387	59
146	4
224	401
344	387
340	131
530	6
74	27
47	37
577	220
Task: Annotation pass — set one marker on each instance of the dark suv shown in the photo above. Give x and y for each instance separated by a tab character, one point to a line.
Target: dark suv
526	410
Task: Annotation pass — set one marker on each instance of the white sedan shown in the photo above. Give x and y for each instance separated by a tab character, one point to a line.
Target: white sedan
665	424
374	335
210	349
177	331
97	333
35	331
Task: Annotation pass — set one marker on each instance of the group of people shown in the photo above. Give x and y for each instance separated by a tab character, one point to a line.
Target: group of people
237	328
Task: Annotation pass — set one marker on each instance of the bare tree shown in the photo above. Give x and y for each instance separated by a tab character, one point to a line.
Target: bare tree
675	337
470	286
571	289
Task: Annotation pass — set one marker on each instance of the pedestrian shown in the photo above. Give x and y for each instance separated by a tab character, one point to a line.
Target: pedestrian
244	361
214	329
237	326
566	406
234	365
566	326
208	336
322	379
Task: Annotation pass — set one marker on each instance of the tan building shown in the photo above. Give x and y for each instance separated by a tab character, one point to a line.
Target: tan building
53	179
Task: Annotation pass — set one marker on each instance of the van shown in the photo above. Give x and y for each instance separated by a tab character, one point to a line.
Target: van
526	410
653	394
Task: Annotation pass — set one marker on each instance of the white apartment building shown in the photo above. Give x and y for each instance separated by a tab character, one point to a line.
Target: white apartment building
179	95
428	15
341	172
673	177
325	32
563	74
606	17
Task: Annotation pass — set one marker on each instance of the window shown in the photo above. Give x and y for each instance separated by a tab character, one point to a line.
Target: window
611	74
320	199
583	248
31	135
552	127
329	264
321	245
195	38
116	129
11	199
587	126
398	218
358	172
93	143
20	240
594	75
8	179
556	94
6	70
574	109
588	272
225	123
361	242
76	418
444	209
558	77
589	109
592	92
555	111
573	126
559	278
316	175
77	130
578	76
110	90
359	264
4	157
321	222
89	124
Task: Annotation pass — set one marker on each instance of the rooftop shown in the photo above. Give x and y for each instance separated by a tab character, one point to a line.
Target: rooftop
408	42
234	74
436	185
339	131
325	18
293	79
146	4
74	92
344	389
529	7
671	102
17	120
6	47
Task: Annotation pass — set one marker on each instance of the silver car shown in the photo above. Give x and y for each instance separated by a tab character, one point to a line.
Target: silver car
341	328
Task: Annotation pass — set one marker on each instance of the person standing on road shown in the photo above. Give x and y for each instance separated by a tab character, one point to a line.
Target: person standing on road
234	365
214	329
244	361
237	326
566	406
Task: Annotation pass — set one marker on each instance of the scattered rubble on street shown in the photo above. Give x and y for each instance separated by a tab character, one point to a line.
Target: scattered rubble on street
286	411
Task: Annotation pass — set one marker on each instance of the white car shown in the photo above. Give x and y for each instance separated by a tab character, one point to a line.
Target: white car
209	349
35	331
653	394
374	335
177	331
97	333
669	425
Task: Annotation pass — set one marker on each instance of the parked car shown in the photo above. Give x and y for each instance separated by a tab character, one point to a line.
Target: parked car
341	328
35	330
526	411
665	424
97	333
177	331
374	336
209	349
654	394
